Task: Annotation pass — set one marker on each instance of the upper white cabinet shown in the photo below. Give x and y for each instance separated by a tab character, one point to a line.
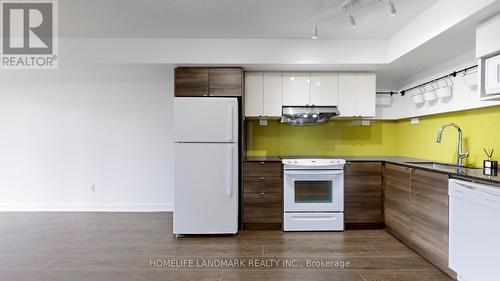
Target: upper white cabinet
254	94
367	89
320	89
266	93
487	39
357	94
487	51
263	94
273	88
348	97
324	89
296	89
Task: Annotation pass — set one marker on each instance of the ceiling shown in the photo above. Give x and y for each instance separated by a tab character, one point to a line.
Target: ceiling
232	18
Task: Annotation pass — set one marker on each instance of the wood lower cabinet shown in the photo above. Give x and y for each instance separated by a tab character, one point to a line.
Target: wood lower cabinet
416	211
262	195
397	192
363	194
262	207
429	216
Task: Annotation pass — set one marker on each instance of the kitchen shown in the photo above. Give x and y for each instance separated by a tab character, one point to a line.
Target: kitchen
328	140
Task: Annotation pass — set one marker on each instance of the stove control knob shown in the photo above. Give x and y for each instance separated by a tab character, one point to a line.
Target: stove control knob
295	162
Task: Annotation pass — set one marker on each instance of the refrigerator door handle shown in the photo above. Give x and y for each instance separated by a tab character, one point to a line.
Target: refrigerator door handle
229	187
231	123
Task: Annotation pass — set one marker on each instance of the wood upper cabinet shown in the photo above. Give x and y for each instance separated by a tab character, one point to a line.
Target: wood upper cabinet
324	89
296	89
357	94
263	94
204	82
363	193
397	192
191	82
429	216
226	82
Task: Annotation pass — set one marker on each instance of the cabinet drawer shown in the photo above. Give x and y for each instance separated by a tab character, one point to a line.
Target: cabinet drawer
262	207
262	169
262	184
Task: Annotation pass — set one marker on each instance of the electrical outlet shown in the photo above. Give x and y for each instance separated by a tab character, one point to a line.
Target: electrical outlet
92	188
414	121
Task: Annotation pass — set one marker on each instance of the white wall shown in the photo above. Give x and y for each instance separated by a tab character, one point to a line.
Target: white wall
61	132
463	96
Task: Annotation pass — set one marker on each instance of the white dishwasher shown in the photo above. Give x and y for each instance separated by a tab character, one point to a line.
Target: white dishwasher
474	243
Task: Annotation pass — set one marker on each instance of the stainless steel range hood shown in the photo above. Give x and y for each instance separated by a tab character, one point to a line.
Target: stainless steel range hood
308	115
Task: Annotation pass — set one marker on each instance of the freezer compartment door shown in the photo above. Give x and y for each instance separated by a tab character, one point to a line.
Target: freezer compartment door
206	120
206	188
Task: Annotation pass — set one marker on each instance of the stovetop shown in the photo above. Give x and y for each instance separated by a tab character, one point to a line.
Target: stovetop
313	164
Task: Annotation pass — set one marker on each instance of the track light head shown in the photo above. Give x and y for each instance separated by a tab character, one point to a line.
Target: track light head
352	22
403	92
392	9
315	34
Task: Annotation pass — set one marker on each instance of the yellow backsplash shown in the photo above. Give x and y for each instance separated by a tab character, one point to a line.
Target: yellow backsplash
481	128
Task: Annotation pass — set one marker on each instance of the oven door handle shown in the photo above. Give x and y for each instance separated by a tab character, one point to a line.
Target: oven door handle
314	172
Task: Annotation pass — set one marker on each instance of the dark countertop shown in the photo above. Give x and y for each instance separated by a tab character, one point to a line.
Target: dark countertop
262	159
471	174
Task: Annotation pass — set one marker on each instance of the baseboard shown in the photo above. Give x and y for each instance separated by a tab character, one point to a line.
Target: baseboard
84	208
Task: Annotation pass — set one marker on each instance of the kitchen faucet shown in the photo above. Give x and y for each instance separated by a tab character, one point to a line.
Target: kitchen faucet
461	155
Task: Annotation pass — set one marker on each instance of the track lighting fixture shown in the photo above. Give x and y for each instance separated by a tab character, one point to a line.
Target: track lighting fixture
315	32
348	6
392	9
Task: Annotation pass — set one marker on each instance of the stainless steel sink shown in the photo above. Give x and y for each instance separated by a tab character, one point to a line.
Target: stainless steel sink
435	165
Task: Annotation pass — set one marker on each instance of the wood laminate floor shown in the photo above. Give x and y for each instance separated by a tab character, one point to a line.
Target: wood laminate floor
139	246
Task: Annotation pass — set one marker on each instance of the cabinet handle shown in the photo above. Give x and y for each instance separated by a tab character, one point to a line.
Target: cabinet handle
262	193
262	163
262	178
348	163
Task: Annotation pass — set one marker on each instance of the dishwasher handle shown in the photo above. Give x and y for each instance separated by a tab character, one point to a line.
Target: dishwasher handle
475	192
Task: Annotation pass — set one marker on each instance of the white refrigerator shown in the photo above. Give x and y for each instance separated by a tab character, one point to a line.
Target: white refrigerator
206	165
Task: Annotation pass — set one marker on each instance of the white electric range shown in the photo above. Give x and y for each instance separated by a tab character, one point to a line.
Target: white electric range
313	194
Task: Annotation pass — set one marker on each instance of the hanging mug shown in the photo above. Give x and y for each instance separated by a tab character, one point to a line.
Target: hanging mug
444	92
430	95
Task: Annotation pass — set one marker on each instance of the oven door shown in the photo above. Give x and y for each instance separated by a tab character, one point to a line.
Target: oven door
314	190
